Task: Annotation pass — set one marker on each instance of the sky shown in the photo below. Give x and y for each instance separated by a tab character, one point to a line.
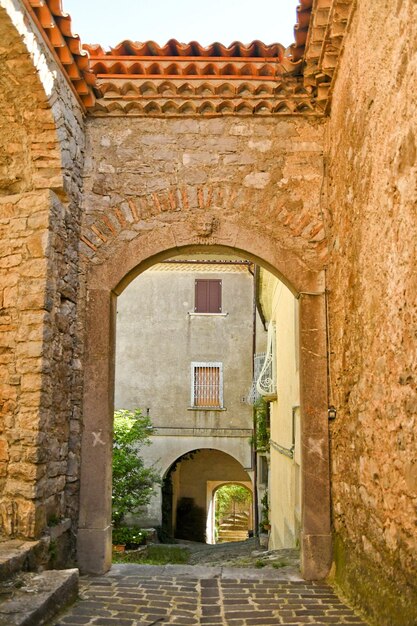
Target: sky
110	21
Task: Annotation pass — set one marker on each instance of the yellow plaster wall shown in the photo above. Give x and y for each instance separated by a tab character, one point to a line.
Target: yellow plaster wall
279	307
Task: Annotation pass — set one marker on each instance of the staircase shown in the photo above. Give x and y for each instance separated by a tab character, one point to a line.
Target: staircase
234	527
29	594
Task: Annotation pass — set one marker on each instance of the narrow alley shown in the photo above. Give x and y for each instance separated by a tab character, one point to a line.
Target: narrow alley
231	584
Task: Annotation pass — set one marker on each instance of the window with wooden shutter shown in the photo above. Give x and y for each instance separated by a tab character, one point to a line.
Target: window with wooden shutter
208	296
207	385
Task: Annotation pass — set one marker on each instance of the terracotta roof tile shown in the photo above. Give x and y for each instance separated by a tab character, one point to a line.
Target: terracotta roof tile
123	72
301	29
175	59
55	26
328	23
193	49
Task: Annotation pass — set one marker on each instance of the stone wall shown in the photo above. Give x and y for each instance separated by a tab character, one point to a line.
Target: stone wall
372	222
191	174
40	164
154	188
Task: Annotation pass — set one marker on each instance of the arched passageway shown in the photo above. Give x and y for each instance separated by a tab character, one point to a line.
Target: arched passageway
188	492
232	516
105	282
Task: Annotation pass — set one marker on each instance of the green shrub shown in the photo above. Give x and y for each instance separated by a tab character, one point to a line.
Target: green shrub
129	536
262	425
133	483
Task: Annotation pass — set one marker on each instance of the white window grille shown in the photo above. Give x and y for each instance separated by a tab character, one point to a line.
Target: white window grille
207	385
258	361
266	383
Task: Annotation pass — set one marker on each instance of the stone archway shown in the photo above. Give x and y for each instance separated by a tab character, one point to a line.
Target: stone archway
109	278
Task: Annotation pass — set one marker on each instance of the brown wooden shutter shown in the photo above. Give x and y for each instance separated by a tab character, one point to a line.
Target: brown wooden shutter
201	299
208	296
215	296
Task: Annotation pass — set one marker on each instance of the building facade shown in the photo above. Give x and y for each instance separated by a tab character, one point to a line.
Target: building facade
278	384
304	160
184	355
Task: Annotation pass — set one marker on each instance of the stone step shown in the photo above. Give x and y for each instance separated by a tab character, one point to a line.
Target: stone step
232	536
32	599
235	518
243	515
17	555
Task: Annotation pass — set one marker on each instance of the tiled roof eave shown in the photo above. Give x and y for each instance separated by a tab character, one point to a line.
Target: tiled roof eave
175	77
199	59
202	95
329	21
55	28
312	58
180	51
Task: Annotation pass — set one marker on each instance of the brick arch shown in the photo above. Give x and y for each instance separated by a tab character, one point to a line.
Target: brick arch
129	259
107	277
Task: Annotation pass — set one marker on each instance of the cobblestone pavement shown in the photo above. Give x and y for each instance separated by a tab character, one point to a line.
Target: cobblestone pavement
137	595
241	554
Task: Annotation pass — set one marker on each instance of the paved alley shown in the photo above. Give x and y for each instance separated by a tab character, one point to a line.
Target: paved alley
137	595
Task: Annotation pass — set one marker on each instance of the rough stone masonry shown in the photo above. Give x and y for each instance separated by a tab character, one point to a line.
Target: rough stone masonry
329	192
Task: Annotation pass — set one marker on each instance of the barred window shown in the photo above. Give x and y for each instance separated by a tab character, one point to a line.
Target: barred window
207	385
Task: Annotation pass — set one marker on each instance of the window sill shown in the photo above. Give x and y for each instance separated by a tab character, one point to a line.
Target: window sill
195	313
206	408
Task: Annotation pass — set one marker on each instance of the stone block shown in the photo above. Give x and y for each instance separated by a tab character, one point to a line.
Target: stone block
257	180
50	591
4	453
191	159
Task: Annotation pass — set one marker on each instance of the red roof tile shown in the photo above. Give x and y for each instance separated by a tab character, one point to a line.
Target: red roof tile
55	26
301	29
82	64
193	49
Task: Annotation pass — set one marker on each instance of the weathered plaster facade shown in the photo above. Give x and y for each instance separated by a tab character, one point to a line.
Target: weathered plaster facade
258	184
158	337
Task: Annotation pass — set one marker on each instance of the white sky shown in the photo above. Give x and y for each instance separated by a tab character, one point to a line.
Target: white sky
110	21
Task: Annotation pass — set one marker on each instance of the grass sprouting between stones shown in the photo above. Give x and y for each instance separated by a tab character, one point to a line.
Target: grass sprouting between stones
154	555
